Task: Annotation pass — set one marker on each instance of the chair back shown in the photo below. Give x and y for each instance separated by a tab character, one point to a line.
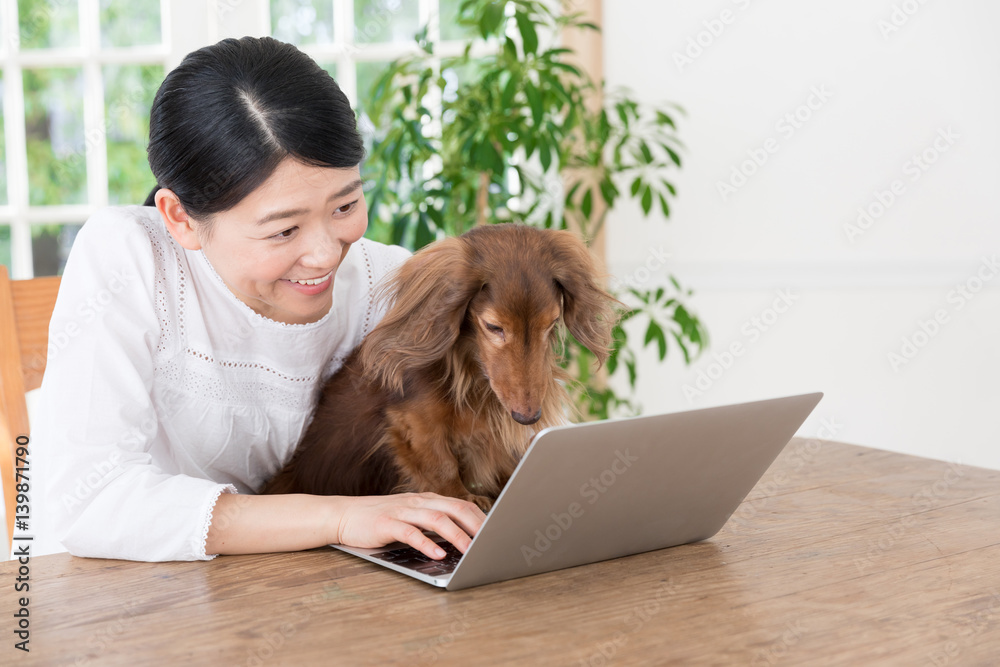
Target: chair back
25	310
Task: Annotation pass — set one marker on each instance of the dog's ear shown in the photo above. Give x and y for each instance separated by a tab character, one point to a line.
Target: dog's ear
429	294
588	310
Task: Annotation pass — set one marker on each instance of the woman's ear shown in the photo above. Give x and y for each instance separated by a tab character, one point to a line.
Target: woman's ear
180	226
588	310
430	294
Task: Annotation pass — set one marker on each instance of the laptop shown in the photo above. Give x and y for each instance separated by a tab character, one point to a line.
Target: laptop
584	493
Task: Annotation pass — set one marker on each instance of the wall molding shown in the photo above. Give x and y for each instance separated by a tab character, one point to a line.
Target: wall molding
828	274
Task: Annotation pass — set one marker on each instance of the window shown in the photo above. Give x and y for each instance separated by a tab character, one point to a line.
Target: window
355	39
78	79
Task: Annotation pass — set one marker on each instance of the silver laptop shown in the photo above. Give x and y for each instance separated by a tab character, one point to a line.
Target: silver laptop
589	492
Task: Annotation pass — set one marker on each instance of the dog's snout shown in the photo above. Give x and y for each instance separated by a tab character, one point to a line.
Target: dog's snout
524	419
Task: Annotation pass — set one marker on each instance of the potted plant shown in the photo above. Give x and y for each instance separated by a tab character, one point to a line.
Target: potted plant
495	145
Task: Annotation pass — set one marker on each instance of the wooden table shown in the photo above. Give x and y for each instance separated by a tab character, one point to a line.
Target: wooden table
842	555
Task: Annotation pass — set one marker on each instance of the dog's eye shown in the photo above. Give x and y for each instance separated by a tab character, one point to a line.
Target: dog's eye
493	328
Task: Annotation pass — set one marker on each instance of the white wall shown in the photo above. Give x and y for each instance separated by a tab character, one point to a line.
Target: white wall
890	95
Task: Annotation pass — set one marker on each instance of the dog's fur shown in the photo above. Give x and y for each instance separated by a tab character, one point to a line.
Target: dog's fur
446	392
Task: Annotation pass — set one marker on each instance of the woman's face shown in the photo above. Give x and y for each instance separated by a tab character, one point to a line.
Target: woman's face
295	228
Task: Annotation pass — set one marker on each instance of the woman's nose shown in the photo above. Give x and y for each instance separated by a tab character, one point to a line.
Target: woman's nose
323	250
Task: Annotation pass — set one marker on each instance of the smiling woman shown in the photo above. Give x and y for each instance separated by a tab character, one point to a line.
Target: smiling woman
238	288
280	264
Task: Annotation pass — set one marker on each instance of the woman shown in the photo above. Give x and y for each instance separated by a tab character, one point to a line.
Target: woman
191	335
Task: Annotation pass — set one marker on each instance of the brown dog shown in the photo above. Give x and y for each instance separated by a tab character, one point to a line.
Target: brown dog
446	392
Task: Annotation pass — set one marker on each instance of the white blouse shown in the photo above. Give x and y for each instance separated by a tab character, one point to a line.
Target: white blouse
163	390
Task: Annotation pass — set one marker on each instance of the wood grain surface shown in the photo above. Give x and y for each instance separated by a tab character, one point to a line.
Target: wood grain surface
841	555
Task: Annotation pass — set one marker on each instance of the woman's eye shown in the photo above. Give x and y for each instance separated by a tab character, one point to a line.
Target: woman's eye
285	234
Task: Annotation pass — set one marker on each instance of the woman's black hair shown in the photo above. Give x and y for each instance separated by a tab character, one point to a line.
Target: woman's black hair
223	120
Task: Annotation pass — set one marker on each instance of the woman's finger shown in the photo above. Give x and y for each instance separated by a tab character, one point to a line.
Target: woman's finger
467	515
408	533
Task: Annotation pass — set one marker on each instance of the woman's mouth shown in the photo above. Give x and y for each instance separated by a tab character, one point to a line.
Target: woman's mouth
311	286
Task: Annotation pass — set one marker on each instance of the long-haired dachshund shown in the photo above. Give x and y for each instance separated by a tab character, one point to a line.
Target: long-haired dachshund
446	392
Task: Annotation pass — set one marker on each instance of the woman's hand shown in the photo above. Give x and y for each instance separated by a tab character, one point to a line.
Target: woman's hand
374	521
246	524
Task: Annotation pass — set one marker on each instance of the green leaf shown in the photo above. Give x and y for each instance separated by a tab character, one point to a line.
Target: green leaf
544	154
647	155
399	225
491	19
663	205
587	206
636	185
510	49
627	315
556	87
509	91
630	365
622	114
487	157
572	192
423	234
535	101
572	69
604	127
529	36
530	143
664	119
436	215
674	157
647	200
608	191
654	332
684	350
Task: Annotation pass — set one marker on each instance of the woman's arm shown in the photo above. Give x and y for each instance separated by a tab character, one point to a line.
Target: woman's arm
244	524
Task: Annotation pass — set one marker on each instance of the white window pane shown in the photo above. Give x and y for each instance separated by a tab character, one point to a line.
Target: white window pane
45	24
130	22
385	21
53	120
128	96
331	69
50	246
368	74
302	22
450	29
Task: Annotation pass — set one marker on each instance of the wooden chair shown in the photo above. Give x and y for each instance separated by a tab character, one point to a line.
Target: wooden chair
25	310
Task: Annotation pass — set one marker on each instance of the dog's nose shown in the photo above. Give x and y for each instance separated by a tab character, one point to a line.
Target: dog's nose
527	421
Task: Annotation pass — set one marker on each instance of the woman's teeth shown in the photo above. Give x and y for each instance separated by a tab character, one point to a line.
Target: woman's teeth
316	281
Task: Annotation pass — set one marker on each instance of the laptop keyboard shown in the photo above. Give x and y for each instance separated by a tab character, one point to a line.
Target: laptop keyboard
415	560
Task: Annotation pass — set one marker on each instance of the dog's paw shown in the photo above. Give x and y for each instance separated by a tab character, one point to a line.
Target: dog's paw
484	503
